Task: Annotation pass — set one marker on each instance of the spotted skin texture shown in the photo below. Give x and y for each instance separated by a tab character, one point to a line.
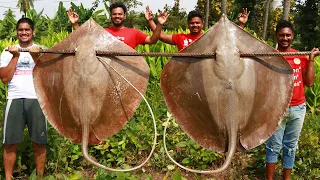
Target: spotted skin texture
78	91
228	103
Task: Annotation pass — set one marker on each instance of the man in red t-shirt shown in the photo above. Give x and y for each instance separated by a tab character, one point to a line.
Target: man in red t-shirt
288	132
195	25
129	36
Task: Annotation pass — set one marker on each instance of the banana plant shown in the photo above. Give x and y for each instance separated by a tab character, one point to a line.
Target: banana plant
313	93
8	25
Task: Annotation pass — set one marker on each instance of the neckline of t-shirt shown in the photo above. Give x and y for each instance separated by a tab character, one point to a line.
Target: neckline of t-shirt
18	45
113	27
200	34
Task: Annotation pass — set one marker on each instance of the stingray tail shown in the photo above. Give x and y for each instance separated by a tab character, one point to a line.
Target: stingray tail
232	145
86	131
85	137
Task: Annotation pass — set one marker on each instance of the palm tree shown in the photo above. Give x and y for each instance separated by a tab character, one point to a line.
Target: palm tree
286	9
266	16
207	14
224	7
25	5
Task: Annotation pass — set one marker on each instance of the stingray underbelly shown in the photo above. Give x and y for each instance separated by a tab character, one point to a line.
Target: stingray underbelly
232	100
85	93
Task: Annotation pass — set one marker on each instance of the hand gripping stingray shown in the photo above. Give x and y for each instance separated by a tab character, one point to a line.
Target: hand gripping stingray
227	103
88	98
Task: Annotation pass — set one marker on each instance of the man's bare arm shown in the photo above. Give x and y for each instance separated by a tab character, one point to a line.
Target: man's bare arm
6	73
167	38
73	18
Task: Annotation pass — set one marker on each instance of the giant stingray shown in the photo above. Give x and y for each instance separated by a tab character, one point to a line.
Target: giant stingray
227	103
87	97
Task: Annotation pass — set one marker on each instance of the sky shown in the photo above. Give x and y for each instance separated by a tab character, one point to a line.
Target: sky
51	6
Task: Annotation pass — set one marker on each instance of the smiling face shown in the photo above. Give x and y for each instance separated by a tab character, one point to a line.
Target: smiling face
195	25
24	34
117	16
284	38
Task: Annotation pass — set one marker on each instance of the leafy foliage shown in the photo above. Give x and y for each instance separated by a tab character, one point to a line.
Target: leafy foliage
8	25
60	22
84	13
201	6
25	5
307	23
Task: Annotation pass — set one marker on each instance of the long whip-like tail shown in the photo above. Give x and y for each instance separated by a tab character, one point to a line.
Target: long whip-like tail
86	128
231	150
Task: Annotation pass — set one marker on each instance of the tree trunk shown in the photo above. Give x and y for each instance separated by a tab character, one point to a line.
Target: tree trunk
224	7
207	14
266	17
286	9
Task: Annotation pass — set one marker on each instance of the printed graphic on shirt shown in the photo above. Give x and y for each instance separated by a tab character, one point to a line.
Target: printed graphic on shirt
297	61
298	64
296	73
120	38
187	42
183	40
22	72
24	66
25	63
129	36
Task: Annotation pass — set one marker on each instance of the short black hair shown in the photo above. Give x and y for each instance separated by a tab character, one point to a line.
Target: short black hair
195	13
25	20
118	5
283	24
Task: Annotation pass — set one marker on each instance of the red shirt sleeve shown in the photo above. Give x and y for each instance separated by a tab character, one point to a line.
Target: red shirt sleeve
175	39
140	37
179	41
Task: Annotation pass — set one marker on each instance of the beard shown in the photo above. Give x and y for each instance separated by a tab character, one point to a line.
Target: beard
117	24
284	44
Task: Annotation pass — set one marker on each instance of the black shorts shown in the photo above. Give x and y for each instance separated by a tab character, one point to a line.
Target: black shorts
21	112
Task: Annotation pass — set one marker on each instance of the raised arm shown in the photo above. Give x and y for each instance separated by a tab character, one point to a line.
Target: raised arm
73	18
309	72
167	38
243	17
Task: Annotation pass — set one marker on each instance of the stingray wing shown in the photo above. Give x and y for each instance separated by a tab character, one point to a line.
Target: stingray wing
210	97
85	89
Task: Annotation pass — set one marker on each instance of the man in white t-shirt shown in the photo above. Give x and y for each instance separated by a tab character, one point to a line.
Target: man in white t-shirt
22	107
